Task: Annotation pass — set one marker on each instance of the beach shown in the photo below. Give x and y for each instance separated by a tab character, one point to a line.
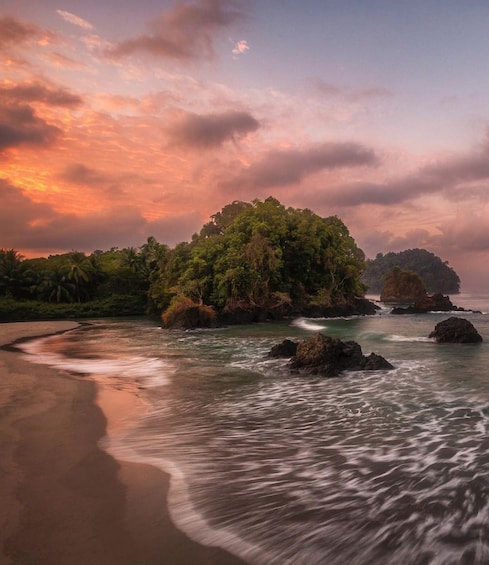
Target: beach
64	499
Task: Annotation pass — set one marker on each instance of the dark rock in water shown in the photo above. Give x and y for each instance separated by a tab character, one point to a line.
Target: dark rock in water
455	330
328	356
351	307
435	303
278	308
287	348
375	362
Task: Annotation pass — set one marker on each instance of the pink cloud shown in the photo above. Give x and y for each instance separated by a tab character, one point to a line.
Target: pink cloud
185	32
279	168
211	130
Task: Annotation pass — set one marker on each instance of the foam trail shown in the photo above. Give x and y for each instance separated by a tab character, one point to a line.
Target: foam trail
153	370
307	324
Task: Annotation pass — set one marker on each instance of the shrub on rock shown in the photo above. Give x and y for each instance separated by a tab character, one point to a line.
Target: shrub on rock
184	313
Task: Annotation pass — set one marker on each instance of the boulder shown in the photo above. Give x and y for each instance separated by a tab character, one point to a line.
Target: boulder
287	348
375	362
455	330
328	356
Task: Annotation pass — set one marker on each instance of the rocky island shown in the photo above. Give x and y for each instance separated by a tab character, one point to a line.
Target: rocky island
327	356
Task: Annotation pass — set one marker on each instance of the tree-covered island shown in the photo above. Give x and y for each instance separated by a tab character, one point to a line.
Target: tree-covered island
436	274
250	262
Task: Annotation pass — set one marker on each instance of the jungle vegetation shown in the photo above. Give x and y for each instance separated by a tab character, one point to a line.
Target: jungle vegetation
436	274
248	253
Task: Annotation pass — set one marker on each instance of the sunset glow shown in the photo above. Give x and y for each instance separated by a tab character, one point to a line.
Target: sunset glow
123	120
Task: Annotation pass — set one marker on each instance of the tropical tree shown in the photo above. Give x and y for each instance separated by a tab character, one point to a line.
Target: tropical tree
14	277
79	273
437	274
58	287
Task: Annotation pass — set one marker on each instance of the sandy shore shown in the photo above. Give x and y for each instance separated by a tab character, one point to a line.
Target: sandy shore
64	501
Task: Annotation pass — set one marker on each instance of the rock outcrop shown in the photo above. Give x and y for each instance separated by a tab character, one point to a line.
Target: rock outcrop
287	348
435	303
455	330
328	356
351	307
402	287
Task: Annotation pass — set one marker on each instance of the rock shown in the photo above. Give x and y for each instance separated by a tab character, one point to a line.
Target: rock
328	356
287	348
455	330
278	308
375	362
435	303
351	307
403	287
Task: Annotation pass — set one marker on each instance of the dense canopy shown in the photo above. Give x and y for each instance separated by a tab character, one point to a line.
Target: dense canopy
256	254
437	275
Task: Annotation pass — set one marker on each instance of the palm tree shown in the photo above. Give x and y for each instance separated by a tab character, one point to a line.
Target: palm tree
79	271
11	272
131	259
57	286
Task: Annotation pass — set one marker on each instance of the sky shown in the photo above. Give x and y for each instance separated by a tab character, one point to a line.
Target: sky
121	120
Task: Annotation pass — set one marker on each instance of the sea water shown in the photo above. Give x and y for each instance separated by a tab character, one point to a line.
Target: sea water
370	467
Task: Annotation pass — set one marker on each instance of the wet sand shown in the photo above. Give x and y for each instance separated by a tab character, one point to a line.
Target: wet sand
65	501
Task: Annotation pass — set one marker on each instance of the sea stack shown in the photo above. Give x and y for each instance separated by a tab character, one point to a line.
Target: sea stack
455	330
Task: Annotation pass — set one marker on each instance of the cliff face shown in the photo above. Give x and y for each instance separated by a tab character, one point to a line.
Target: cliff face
403	287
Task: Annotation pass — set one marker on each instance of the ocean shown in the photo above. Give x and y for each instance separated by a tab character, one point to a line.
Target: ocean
376	467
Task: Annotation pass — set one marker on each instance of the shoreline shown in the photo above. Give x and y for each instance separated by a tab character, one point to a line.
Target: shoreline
64	499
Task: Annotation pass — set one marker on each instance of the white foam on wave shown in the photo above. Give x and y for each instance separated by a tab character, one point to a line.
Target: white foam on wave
408	338
153	370
307	324
183	512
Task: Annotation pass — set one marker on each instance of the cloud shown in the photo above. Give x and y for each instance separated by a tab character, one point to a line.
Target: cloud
291	166
185	32
351	94
75	20
452	176
241	47
211	130
62	62
20	125
79	173
14	33
27	225
29	92
111	184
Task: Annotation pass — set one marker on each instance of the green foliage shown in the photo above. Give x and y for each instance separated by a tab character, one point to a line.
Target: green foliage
248	253
16	279
185	313
402	286
257	255
437	275
29	310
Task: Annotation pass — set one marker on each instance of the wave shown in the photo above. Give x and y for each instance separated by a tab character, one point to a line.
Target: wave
153	370
183	511
408	338
307	324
